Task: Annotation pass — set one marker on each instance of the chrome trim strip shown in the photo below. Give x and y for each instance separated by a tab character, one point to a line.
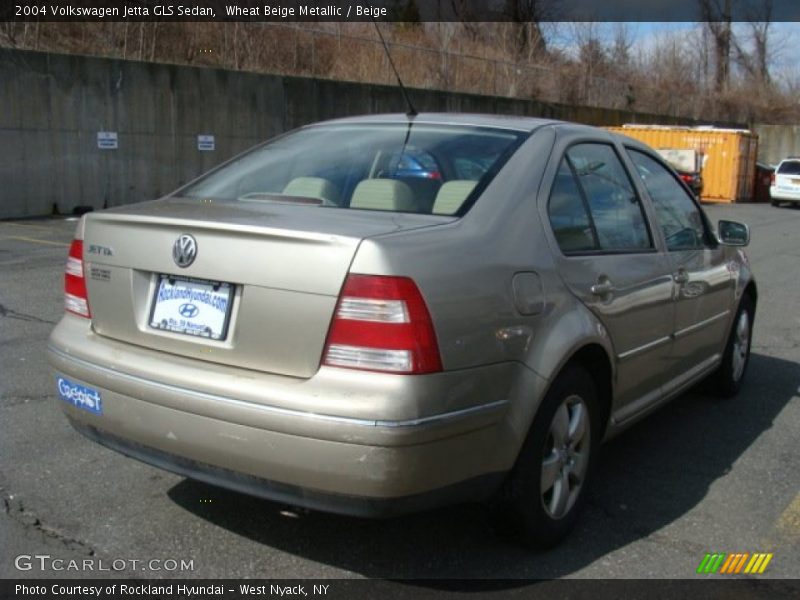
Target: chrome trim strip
674	336
701	324
645	348
432	419
456	414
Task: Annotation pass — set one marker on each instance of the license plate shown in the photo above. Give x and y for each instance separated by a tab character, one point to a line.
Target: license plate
79	395
192	306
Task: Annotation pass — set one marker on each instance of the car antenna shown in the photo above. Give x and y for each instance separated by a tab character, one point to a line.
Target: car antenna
411	112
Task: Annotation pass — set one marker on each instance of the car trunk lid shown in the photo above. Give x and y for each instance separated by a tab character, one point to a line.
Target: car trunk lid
285	265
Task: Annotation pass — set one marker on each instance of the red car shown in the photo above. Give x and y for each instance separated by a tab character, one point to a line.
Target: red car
693	180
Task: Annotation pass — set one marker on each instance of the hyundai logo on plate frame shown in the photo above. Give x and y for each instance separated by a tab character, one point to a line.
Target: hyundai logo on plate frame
188	310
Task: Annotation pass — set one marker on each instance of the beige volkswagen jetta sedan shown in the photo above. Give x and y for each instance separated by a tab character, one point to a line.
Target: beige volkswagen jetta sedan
377	315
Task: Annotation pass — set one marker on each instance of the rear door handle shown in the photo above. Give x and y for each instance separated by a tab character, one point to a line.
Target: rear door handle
602	288
681	276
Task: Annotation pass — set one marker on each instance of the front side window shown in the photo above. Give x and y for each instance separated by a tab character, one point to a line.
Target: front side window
678	215
389	167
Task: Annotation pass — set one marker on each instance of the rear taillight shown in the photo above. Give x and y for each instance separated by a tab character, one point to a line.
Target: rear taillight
381	323
772	178
686	177
76	300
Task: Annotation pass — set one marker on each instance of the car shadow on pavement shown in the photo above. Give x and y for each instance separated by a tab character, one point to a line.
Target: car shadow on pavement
645	479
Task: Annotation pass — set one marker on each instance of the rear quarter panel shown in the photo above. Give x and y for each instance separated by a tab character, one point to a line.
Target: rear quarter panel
465	271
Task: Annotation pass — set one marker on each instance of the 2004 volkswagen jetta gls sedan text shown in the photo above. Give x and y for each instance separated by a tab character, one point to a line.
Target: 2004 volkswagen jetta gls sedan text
376	315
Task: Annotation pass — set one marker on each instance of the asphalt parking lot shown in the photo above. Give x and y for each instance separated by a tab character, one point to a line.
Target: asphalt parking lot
701	475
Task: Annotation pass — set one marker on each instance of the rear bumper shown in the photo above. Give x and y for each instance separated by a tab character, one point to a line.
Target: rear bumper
340	503
344	459
784	195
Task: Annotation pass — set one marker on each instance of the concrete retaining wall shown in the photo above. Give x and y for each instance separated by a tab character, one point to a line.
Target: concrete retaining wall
52	107
776	142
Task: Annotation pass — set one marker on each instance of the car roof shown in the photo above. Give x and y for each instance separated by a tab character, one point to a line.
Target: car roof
517	123
511	122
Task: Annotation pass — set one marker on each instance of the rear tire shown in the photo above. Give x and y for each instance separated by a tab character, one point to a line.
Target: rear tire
727	380
543	495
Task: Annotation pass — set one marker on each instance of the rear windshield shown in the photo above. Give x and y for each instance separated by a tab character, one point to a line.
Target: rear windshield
418	168
789	167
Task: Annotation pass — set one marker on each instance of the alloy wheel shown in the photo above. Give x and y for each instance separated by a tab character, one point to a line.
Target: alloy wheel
566	457
741	345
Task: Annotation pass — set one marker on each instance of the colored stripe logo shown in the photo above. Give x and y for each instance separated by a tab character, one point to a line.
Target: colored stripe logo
734	563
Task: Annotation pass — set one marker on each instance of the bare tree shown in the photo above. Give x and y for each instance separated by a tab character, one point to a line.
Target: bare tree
717	15
528	15
464	11
405	11
620	52
8	33
756	61
591	61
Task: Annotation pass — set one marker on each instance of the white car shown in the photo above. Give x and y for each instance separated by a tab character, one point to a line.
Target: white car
785	185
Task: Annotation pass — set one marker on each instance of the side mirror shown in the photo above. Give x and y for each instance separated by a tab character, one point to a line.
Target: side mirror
732	233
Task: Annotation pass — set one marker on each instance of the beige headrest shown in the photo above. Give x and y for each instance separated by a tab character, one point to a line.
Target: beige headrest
383	194
452	195
313	187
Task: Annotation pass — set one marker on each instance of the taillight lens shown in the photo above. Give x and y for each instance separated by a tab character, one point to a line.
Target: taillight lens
76	299
772	178
381	323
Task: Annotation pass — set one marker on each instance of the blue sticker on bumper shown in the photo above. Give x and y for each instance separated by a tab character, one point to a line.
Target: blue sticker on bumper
80	396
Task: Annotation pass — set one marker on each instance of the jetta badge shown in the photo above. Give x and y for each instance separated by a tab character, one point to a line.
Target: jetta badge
184	250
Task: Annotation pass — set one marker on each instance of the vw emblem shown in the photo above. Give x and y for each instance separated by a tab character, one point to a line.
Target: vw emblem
188	310
184	250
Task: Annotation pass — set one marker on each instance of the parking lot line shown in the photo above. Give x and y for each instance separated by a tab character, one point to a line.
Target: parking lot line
23	238
25	225
788	524
786	528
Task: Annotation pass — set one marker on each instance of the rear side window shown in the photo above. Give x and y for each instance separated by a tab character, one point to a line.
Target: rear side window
569	215
789	167
416	167
679	217
593	206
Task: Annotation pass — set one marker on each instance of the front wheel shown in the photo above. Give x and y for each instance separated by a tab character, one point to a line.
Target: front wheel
547	486
727	380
